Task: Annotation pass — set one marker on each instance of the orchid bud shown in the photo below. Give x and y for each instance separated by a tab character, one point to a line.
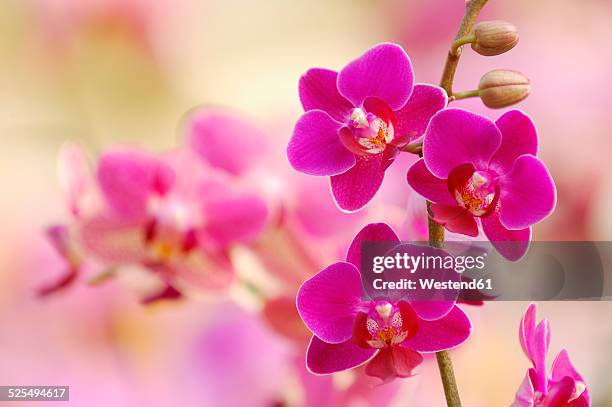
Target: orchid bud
494	37
500	88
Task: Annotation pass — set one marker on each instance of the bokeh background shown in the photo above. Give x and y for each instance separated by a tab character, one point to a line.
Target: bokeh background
106	72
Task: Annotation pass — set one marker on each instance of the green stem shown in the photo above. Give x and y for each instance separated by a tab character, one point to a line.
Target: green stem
472	10
436	231
445	365
458	43
466	94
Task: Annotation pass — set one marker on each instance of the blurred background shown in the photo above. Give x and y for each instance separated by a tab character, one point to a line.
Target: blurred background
108	72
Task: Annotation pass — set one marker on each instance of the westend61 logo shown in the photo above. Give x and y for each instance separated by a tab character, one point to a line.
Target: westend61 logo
438	272
473	271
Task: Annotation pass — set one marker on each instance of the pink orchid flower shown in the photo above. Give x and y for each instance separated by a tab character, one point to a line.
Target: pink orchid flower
356	121
564	388
169	215
63	21
475	169
174	214
389	333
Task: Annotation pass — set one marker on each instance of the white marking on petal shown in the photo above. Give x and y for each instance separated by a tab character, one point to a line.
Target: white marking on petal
384	310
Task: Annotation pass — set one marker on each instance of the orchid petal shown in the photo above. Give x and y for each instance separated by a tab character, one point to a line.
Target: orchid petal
315	147
225	140
457	136
412	119
326	358
318	91
328	301
393	362
527	195
353	189
512	244
455	219
374	232
428	185
384	71
519	136
447	332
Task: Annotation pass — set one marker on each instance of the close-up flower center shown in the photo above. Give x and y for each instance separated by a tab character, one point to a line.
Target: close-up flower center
370	132
476	191
168	233
385	325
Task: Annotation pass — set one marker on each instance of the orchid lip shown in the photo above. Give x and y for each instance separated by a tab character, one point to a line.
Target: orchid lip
475	190
367	133
385	325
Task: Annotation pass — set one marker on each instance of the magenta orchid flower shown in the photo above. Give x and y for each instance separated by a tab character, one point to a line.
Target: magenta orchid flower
169	215
356	121
177	214
388	333
564	388
474	170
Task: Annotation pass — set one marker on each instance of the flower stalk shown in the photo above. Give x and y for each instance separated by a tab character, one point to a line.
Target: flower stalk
436	231
472	11
445	365
460	42
466	94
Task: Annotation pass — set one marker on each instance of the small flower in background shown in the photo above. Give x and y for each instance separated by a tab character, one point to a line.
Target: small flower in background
565	386
174	214
64	22
234	351
473	168
357	120
271	375
362	390
388	333
170	215
410	22
225	140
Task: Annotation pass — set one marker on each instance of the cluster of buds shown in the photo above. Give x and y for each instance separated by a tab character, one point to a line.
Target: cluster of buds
498	88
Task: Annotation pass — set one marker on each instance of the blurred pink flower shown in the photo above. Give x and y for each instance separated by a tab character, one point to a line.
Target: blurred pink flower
226	140
178	223
413	22
473	168
62	21
307	232
172	213
320	391
236	352
356	121
565	387
388	334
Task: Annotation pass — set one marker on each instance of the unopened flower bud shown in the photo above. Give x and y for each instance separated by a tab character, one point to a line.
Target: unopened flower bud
500	88
494	37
